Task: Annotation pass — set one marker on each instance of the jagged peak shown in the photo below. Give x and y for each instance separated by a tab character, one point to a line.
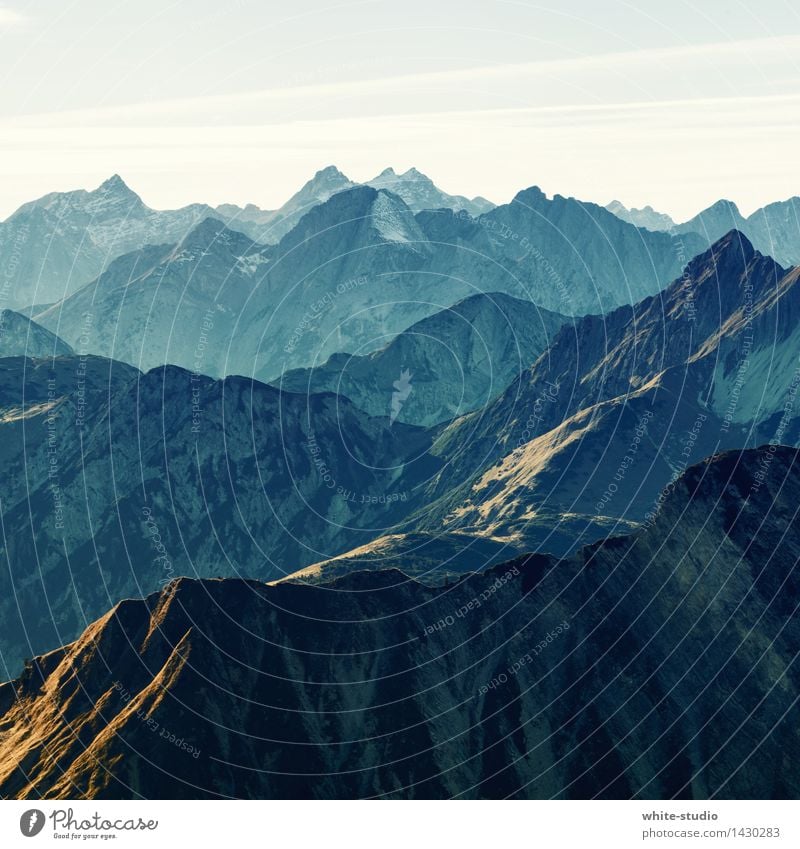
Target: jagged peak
114	183
531	195
329	172
414	174
115	189
734	244
731	258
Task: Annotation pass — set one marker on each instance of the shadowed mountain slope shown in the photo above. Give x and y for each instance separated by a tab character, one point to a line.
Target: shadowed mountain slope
655	666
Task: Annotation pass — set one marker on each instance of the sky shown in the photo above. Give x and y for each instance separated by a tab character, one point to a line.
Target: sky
673	104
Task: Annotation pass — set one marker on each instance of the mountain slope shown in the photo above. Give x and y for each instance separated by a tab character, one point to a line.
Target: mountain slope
650	667
112	492
775	230
578	447
21	337
360	268
270	226
428	558
618	405
591	260
167	303
715	221
454	361
64	240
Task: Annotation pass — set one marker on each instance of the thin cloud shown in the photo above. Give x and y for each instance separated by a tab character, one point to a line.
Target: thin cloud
624	63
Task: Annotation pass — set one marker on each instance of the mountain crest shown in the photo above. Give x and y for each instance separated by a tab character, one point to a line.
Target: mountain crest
115	183
211	232
330	172
734	246
723	205
113	192
532	196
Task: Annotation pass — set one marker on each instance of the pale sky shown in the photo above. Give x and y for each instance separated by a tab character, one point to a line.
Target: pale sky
673	104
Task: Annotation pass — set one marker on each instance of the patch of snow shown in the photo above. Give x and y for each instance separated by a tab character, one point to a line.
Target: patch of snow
249	264
391	221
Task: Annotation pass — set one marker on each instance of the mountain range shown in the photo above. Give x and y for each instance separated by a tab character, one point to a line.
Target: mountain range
60	242
417	190
454	361
397	493
618	405
250	479
115	481
651	666
357	270
53	246
774	229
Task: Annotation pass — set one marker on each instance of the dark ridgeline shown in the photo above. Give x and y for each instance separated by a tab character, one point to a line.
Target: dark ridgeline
659	665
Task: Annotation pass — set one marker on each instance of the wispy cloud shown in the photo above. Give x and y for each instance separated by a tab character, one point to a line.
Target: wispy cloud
730	60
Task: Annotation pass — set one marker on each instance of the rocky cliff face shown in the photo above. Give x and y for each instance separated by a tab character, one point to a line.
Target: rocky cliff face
659	665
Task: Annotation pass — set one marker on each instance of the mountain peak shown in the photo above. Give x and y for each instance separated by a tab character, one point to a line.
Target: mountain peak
532	196
728	255
733	242
734	260
716	220
323	185
115	185
724	203
112	197
330	172
211	231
